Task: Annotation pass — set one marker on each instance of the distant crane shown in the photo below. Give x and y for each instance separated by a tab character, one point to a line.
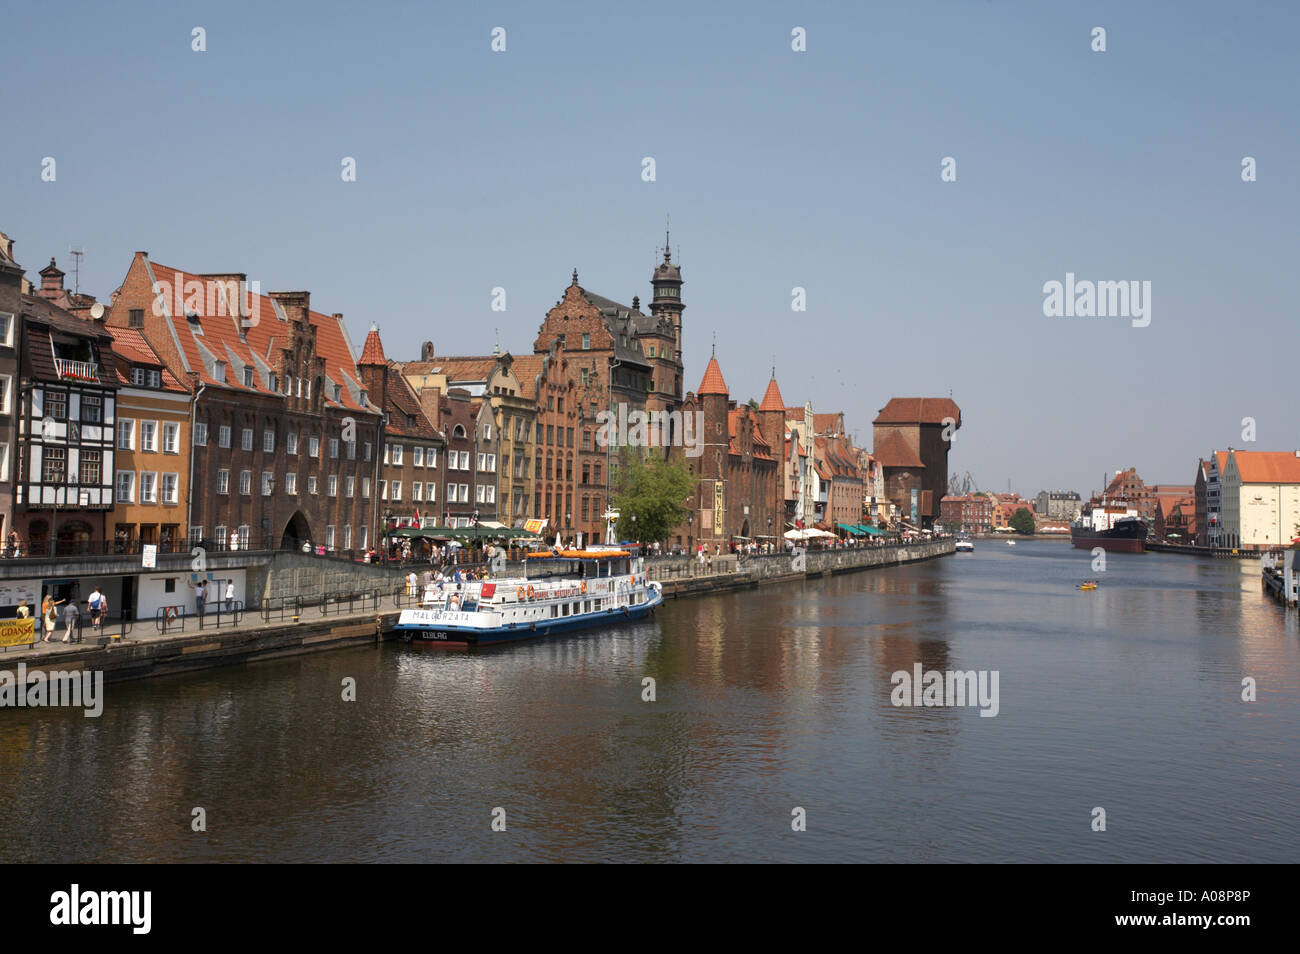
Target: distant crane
963	485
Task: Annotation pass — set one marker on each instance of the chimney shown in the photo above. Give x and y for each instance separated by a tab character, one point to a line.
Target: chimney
51	281
296	304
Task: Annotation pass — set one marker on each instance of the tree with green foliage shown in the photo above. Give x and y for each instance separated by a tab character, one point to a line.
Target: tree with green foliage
1022	521
651	496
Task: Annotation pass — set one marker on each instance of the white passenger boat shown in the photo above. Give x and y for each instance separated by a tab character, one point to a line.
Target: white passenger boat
561	590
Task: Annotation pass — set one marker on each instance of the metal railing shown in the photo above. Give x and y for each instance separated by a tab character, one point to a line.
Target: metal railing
80	370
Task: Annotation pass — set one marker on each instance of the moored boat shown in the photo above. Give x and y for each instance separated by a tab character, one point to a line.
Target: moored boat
1113	526
561	591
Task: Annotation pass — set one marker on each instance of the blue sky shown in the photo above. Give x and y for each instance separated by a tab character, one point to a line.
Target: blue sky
818	169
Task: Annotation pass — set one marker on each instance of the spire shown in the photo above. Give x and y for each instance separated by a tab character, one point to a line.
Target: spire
667	233
712	383
575	276
772	400
372	352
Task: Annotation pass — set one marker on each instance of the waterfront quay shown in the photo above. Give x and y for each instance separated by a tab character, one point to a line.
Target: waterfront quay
311	604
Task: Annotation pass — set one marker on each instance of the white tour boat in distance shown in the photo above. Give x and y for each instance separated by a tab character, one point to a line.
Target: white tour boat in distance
571	589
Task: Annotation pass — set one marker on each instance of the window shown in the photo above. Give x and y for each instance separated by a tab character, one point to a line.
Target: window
365	537
221	536
464	493
168	488
492	463
367	449
291	443
431	492
53	462
135	318
312	484
349	486
431	458
464	460
124	490
291	483
219	372
56	405
92	408
350	449
313	447
148	487
171	437
482	461
586	342
246	483
417	491
584	377
332	485
397	490
91	461
223	435
125	433
347	537
487	431
568	436
200	434
385	453
334	448
248	376
243	537
417	456
246	439
383	490
397	455
223	481
365	487
155	378
149	436
329	537
268	442
196	536
481	495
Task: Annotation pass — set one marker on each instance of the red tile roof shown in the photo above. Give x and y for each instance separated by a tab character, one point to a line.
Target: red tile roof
918	411
218	335
1268	467
131	348
372	352
892	451
712	382
772	400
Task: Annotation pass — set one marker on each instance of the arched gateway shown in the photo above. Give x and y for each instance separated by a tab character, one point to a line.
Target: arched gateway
296	533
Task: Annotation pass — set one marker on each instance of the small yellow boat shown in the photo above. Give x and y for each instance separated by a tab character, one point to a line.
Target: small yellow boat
1087	586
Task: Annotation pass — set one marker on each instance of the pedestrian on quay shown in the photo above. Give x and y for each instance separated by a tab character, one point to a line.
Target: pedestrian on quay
24	611
71	615
230	596
49	616
411	584
200	597
96	606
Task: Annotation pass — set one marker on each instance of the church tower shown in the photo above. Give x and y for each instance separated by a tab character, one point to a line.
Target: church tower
667	306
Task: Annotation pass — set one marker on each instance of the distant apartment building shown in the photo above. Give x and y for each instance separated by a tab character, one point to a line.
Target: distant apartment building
1058	504
970	512
1211	520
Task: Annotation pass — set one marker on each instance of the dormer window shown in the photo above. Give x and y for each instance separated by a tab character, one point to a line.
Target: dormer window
365	399
137	377
219	372
275	383
248	376
338	393
192	319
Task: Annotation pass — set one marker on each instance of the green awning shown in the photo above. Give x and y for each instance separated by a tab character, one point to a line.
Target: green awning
852	528
874	531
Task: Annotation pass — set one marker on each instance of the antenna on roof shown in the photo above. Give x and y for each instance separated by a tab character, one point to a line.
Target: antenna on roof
76	251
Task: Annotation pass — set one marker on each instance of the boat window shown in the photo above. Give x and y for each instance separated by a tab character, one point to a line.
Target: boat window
555	611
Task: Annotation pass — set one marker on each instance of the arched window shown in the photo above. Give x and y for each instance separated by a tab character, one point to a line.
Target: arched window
458	431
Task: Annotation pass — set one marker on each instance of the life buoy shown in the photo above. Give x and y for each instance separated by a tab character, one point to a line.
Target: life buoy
584	586
520	594
531	592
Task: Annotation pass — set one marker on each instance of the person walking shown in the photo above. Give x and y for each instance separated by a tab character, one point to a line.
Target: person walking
96	606
24	611
411	584
71	616
230	596
49	616
200	597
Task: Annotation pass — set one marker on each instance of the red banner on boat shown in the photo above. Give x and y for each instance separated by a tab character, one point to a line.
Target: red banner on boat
487	590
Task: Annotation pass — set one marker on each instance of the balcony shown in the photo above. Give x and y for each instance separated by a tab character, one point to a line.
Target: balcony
77	370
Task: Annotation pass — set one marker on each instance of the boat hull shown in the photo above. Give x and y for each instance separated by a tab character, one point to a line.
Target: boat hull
463	637
1119	540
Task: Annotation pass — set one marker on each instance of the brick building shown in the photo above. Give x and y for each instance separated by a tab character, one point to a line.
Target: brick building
736	499
281	419
11	291
909	443
970	512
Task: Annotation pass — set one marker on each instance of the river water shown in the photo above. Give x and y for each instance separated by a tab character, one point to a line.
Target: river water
1128	699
